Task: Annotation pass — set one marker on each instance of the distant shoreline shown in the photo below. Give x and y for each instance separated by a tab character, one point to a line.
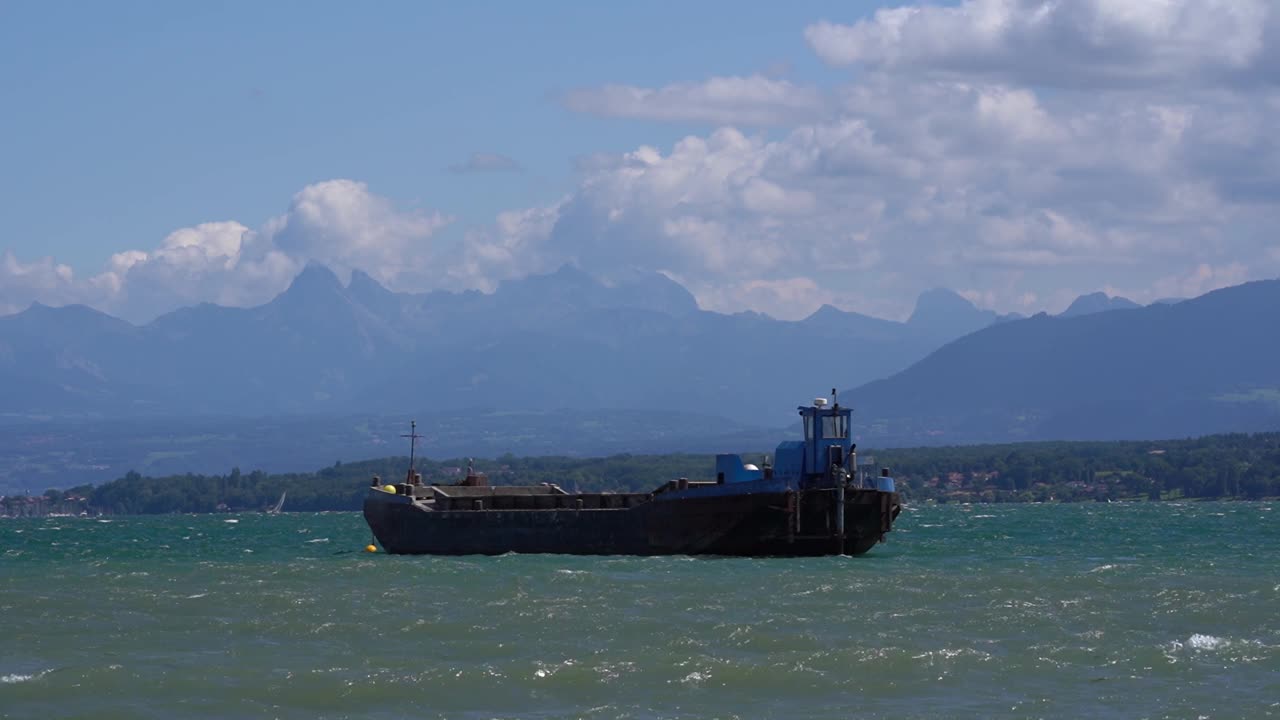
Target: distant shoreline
1218	467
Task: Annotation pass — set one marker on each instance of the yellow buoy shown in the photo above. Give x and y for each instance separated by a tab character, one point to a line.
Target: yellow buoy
371	548
389	488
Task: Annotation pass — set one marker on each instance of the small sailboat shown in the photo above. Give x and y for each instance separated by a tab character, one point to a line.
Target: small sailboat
279	504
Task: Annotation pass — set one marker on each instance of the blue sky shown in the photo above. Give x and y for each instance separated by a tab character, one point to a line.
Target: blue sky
134	119
769	156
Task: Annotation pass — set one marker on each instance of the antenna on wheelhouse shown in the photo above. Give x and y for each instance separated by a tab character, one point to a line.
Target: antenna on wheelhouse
413	441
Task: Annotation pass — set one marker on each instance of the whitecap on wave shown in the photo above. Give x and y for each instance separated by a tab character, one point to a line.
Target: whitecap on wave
17	677
695	678
1205	642
1198	642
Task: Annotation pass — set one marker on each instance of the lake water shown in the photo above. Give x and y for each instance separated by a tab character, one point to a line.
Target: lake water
1003	611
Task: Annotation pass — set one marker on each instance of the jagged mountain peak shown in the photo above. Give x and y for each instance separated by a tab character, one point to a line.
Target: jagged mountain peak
315	276
71	318
314	289
38	308
361	280
827	311
362	286
1097	302
945	311
373	295
652	290
936	299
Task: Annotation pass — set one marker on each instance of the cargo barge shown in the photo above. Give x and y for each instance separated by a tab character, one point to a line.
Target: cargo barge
809	499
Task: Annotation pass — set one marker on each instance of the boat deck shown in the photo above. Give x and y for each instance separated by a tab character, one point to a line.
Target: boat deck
525	497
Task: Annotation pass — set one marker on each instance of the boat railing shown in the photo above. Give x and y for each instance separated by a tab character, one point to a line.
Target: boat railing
542	501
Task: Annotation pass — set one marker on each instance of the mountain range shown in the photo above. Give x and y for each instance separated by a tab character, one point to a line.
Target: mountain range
1168	370
561	340
566	363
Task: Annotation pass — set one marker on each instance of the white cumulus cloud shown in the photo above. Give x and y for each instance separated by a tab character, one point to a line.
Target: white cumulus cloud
1022	151
914	185
21	283
1036	148
342	224
1108	43
338	222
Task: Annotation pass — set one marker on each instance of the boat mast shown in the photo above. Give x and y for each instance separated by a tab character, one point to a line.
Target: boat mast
413	441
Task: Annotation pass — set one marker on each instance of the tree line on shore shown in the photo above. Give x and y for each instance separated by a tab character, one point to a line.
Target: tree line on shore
1239	466
1236	466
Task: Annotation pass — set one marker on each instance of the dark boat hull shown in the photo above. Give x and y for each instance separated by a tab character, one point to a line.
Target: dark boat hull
694	522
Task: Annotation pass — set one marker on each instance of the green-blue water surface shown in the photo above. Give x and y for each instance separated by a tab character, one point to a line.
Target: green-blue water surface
1144	610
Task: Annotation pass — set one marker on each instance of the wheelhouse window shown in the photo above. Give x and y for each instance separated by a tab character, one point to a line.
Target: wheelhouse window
835	426
808	428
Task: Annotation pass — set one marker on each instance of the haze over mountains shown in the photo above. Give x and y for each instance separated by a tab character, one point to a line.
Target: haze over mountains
562	340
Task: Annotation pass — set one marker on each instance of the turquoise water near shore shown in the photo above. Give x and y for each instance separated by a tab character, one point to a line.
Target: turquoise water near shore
1143	610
